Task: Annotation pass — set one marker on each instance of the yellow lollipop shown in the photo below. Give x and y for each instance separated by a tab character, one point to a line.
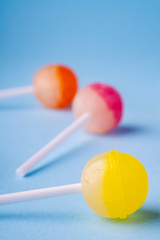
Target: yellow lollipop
114	185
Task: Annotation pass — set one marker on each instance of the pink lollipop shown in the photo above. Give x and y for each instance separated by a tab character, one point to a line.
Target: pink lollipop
103	103
98	107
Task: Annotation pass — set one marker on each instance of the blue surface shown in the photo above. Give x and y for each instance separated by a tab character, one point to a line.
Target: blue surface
117	42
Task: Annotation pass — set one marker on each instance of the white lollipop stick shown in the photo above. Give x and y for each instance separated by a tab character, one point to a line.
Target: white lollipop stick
31	162
40	193
13	92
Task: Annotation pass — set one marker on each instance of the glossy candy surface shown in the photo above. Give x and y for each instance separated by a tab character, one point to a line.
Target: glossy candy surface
114	184
55	86
104	104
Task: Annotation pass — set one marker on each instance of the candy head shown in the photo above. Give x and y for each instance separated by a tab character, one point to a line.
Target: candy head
114	184
55	86
104	104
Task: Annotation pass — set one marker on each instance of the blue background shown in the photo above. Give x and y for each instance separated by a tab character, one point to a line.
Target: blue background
117	42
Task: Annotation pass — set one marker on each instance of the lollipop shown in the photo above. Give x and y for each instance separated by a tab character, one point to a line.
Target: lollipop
55	87
113	184
98	105
104	105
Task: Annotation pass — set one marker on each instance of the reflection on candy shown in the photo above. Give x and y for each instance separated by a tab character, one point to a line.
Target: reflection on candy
114	185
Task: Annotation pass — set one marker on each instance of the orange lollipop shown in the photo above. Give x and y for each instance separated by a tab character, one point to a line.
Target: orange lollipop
54	85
